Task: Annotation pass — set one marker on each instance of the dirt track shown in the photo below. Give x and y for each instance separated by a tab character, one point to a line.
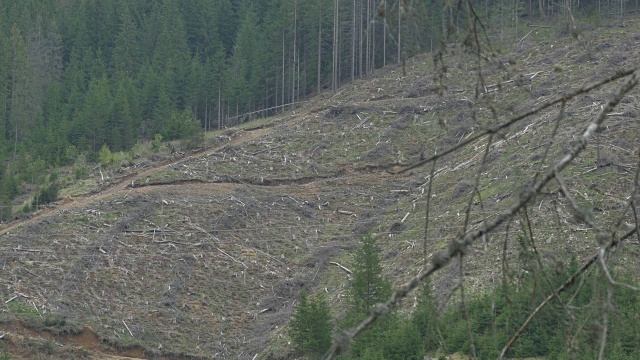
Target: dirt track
124	184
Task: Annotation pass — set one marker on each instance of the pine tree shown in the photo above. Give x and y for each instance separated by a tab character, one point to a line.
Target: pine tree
19	115
7	192
227	24
5	82
126	54
425	317
310	327
403	342
369	287
246	68
97	112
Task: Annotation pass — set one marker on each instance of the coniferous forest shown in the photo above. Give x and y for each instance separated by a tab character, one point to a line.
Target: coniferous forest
76	75
80	74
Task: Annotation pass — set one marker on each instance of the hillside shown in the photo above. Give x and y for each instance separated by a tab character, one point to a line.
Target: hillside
203	254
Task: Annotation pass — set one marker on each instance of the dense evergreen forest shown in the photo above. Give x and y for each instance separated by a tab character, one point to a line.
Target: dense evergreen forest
76	75
80	74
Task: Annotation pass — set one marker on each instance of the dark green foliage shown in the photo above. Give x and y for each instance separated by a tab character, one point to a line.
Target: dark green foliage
8	190
310	327
390	337
180	126
546	335
47	194
368	287
425	317
403	341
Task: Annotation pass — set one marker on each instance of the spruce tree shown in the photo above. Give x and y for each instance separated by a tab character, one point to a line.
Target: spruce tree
368	287
310	327
425	317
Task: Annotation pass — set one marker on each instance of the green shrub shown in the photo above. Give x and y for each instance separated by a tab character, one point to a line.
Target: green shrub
182	126
495	319
80	167
121	159
156	143
47	194
70	154
105	157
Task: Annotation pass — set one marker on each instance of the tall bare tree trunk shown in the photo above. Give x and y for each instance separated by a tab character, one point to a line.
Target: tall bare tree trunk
335	46
361	40
368	53
319	48
399	30
219	106
353	43
295	39
283	82
431	21
373	36
384	35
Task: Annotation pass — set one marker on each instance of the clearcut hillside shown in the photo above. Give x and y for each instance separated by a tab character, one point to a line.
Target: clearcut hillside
203	254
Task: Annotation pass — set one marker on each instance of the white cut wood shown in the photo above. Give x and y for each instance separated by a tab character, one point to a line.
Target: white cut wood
341	267
129	330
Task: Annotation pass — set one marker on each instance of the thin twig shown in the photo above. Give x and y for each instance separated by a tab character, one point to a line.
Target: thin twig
477	183
604	267
605	321
515	119
442	259
426	218
553	135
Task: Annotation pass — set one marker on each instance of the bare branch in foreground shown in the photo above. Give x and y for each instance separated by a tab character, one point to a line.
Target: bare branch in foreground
562	288
440	260
493	130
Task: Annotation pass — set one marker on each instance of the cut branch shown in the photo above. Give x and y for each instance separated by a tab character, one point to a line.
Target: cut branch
618	75
459	247
341	267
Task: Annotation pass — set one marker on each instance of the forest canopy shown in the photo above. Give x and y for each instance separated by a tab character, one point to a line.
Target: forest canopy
76	74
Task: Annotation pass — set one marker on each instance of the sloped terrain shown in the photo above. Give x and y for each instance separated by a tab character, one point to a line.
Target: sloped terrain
204	256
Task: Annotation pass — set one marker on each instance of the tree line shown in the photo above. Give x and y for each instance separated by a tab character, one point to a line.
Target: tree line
76	75
84	73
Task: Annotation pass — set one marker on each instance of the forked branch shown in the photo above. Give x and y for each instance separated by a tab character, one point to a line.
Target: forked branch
440	260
